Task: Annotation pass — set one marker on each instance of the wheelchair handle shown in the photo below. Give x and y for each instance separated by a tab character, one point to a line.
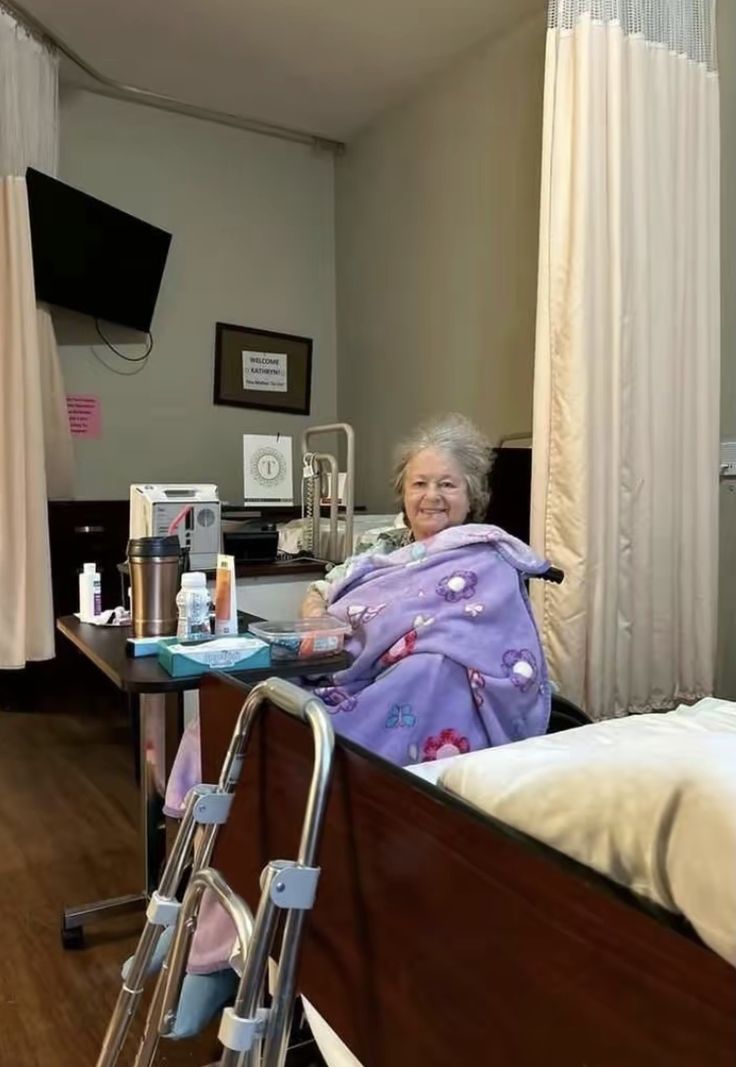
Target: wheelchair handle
553	574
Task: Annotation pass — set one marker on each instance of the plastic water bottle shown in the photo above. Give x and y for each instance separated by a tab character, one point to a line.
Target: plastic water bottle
193	606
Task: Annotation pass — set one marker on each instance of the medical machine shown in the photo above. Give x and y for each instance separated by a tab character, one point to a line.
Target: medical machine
190	511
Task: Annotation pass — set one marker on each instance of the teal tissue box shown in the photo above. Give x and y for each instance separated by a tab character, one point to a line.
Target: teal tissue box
187	660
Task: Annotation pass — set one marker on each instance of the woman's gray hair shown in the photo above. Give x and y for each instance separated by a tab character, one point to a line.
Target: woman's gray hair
471	450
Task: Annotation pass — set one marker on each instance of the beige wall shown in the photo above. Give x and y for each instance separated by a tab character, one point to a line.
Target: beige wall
253	226
437	229
727	621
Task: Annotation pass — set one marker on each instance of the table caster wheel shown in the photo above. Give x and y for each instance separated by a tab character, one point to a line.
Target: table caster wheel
72	938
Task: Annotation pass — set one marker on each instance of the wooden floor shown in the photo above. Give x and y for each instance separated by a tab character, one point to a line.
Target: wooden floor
67	835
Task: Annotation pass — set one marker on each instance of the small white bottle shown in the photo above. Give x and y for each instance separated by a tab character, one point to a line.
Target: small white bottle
90	593
193	605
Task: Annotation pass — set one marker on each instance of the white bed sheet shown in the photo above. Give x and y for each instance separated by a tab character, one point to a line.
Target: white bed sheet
655	811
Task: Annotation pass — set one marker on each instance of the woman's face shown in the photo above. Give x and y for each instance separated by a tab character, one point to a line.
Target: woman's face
435	493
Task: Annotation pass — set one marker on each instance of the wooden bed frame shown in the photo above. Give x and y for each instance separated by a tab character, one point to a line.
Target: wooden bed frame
441	938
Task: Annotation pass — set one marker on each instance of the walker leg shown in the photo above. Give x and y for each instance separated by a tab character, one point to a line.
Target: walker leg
151	1036
162	902
128	997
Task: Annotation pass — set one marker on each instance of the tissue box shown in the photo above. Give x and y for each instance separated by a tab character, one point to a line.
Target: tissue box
185	660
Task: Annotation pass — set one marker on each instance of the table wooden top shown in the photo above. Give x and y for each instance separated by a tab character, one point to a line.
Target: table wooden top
105	646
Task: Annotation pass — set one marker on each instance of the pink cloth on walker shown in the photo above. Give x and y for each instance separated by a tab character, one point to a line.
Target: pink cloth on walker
185	772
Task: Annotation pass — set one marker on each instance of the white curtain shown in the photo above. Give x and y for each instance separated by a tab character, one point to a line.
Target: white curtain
626	405
35	443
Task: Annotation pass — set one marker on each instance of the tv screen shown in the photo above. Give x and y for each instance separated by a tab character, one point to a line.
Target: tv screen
91	257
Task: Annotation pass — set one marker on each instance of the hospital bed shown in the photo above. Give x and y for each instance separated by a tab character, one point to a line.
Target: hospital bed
443	932
441	935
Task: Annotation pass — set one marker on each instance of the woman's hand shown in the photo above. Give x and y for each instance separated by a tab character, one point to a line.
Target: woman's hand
313	606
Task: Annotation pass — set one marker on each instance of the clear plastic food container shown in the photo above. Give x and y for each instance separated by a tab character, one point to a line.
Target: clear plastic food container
305	639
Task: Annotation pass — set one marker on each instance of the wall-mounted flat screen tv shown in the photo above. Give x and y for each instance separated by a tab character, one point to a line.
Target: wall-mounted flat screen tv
91	257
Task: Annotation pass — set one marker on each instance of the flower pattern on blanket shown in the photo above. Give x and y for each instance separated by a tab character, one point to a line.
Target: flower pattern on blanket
447	743
521	668
460	585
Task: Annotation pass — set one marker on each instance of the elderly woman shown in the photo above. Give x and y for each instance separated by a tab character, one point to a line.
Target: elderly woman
446	653
440	479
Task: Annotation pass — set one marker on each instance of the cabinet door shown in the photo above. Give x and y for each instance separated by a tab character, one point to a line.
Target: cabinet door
86	531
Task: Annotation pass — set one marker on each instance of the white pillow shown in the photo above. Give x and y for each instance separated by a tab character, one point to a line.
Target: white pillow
649	801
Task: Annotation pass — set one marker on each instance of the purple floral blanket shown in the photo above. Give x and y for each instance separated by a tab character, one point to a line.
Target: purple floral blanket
447	658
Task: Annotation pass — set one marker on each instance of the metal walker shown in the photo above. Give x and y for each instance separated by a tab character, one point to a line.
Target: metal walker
252	1034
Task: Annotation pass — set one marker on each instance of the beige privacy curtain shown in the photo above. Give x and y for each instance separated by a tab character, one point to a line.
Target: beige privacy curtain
33	423
626	405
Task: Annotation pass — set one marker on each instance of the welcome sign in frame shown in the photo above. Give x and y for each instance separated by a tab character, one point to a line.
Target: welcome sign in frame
262	369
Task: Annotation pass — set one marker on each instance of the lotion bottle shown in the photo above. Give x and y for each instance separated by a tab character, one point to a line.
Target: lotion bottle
90	593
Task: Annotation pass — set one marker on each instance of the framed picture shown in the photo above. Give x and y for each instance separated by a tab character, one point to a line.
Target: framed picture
262	369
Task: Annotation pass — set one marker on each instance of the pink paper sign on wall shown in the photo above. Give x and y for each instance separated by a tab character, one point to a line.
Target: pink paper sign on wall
84	415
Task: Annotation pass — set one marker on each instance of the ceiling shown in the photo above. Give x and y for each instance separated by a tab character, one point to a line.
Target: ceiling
325	66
